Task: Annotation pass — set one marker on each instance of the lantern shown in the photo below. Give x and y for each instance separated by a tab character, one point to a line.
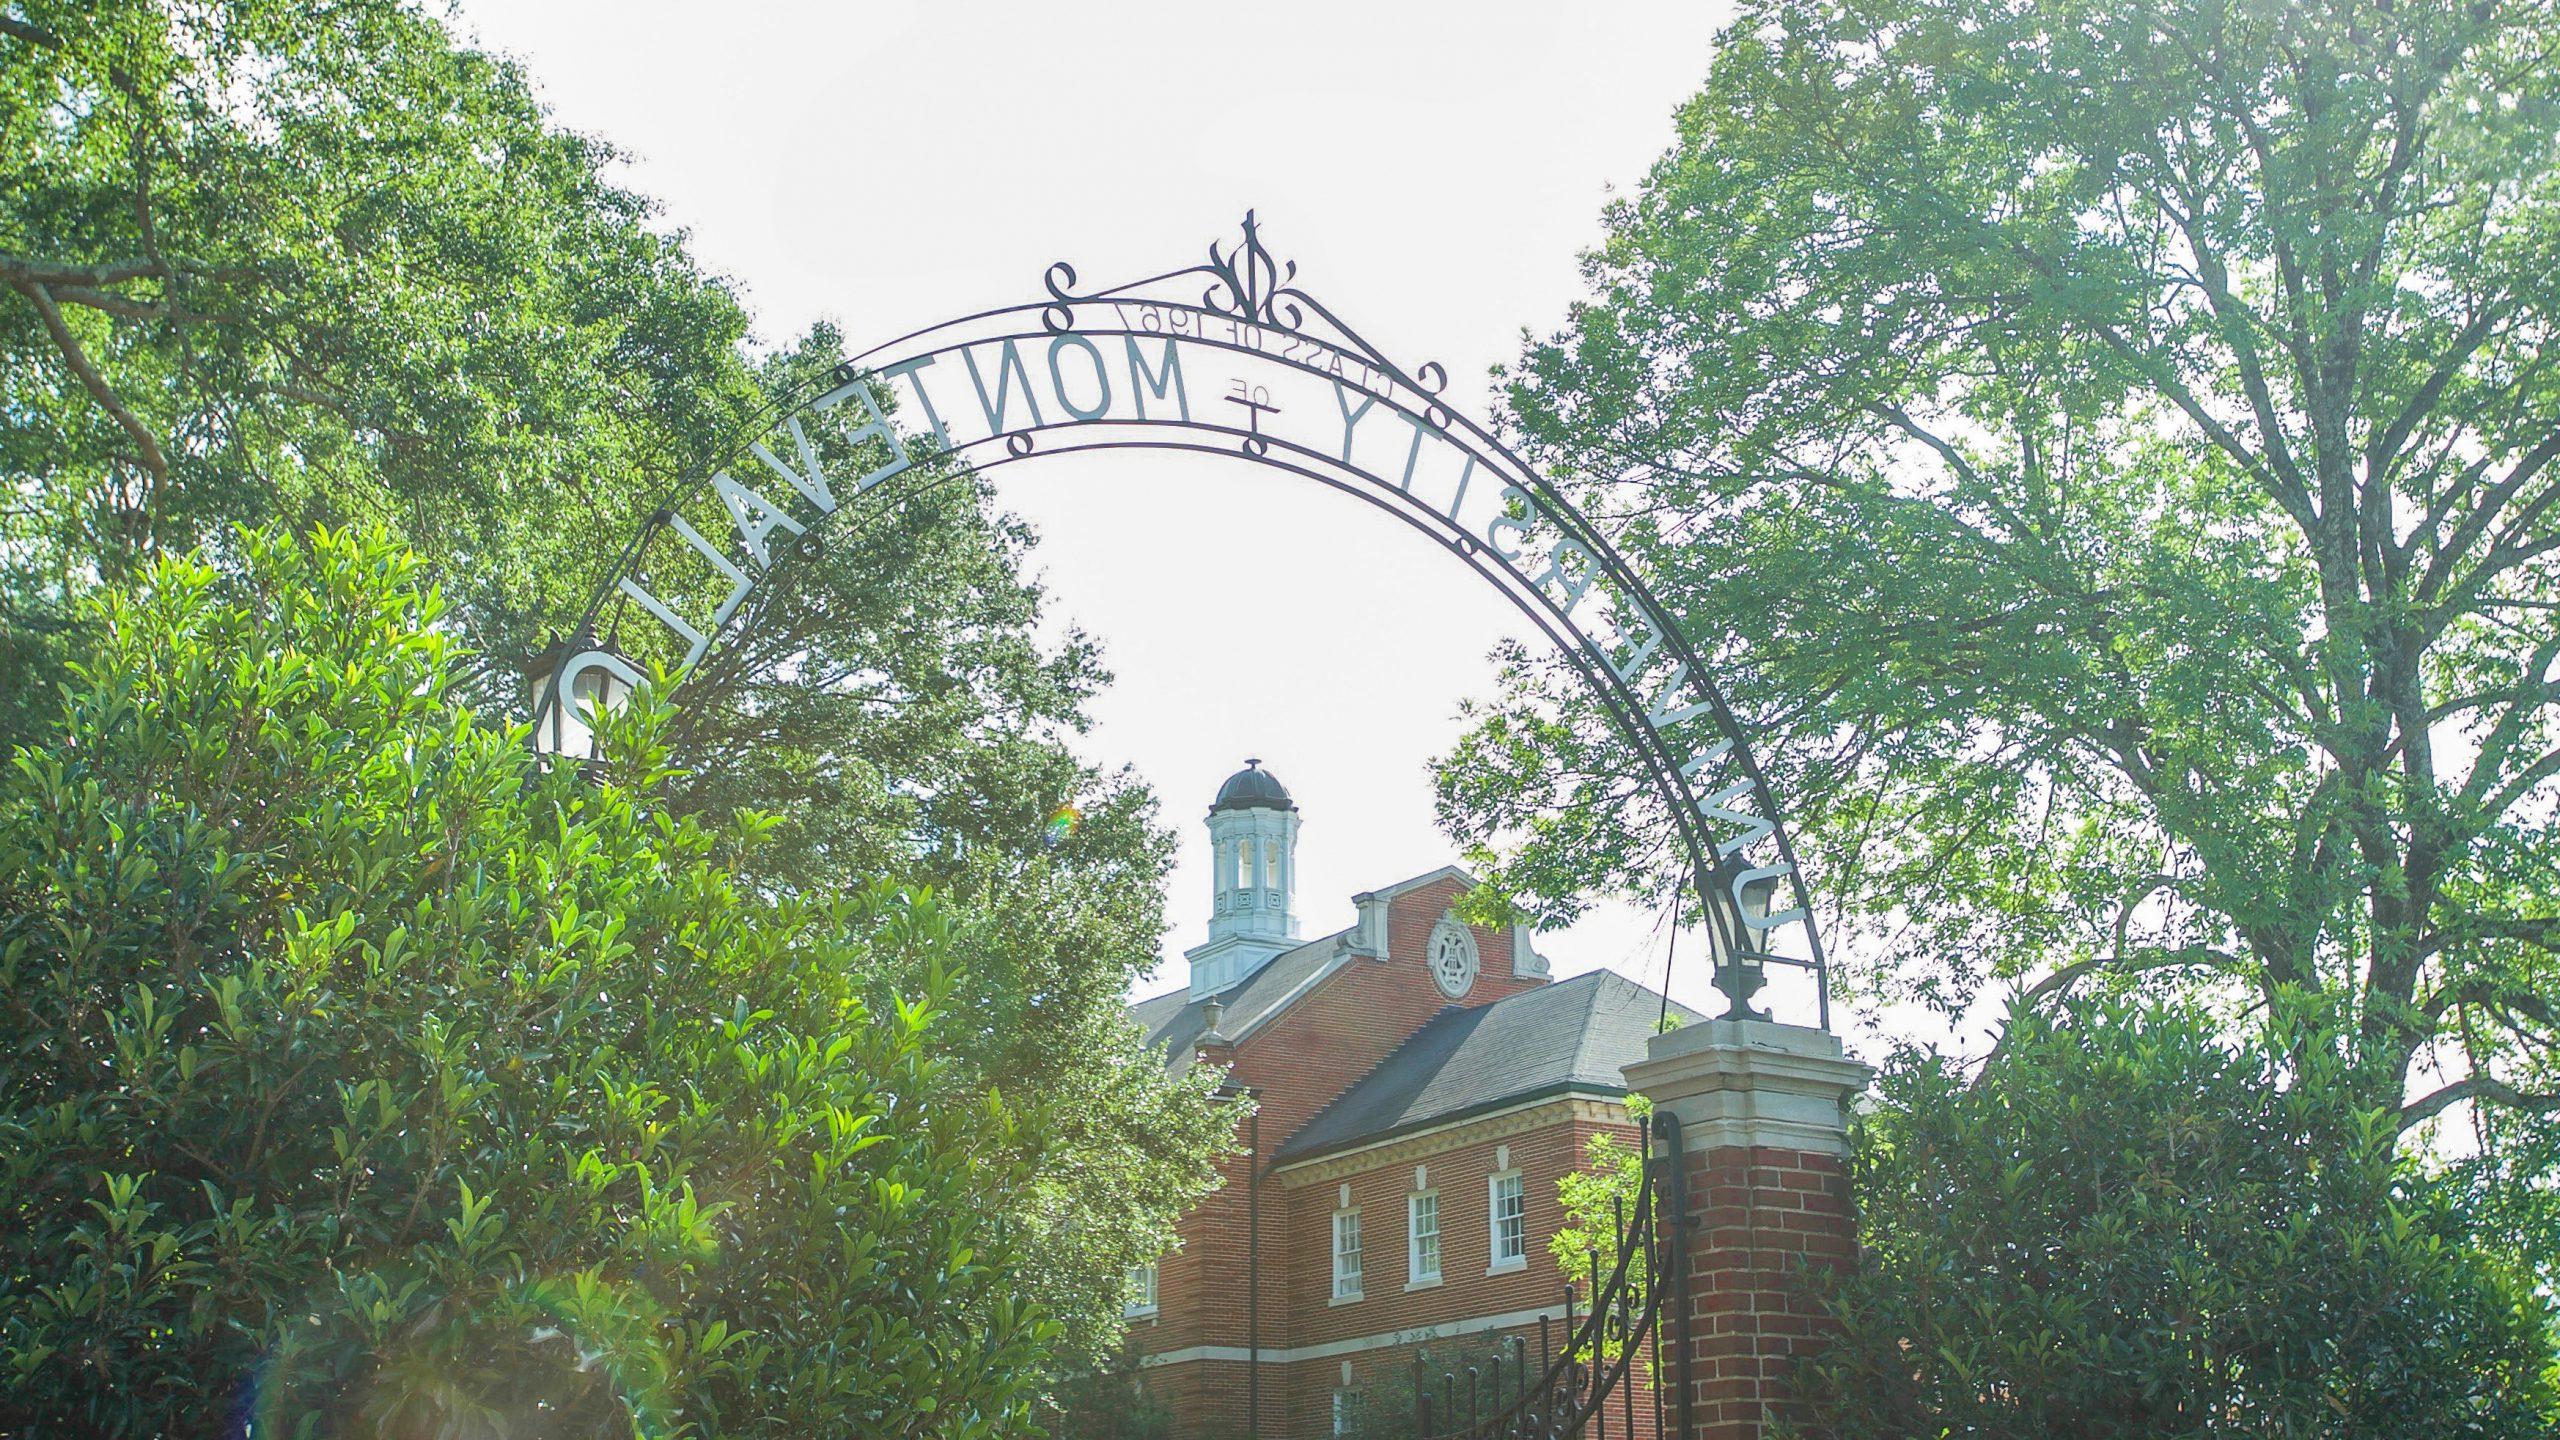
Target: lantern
1740	968
594	681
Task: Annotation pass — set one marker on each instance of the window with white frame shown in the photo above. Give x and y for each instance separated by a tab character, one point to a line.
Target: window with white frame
1341	1412
1508	1210
1142	1290
1422	1238
1346	1255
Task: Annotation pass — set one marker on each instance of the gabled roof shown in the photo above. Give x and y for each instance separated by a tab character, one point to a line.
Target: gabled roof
1174	1021
1571	1036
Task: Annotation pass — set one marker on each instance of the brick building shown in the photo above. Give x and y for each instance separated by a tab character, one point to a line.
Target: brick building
1420	1086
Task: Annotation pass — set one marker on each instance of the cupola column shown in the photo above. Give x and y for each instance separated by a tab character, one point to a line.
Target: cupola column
1253	840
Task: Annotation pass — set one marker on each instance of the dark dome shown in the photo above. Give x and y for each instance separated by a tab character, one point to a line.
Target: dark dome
1252	788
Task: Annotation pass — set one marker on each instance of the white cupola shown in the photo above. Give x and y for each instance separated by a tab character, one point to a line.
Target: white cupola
1253	851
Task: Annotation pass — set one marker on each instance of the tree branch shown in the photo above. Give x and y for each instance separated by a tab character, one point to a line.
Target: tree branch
2198	957
2488	1089
95	383
2384	445
108	301
21	271
2439	578
2490	995
31	33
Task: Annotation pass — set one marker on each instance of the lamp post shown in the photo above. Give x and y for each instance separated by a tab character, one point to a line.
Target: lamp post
570	681
1740	965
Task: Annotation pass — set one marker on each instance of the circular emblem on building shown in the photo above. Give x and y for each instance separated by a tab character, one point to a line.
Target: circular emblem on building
1453	958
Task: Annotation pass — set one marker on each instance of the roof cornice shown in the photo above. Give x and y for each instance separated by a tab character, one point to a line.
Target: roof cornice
1493	1120
1445	872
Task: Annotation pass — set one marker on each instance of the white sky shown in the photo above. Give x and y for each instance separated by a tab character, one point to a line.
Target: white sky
1434	170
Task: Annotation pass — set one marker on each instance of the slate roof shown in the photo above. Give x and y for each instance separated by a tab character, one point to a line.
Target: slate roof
1572	1035
1173	1021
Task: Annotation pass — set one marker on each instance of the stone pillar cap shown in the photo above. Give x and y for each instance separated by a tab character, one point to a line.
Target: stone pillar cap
1754	1083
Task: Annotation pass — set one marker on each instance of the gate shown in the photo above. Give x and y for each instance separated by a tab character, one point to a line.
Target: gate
1628	1338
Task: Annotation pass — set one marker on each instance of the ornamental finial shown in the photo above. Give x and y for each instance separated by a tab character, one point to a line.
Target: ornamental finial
1250	281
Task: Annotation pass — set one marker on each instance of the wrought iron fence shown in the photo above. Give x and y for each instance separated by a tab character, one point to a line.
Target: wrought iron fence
1596	1359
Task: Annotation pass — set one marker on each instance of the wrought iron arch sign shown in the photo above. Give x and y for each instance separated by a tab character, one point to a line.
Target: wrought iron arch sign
1230	358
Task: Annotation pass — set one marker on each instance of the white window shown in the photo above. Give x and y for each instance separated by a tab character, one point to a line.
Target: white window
1508	1210
1346	1255
1341	1412
1142	1290
1422	1238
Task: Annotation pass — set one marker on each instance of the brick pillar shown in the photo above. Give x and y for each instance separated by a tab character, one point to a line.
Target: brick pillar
1763	1119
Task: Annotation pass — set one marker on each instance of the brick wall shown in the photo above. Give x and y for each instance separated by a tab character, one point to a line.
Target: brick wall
1764	1215
1458	1171
1299	1314
1543	1143
1297	1063
1339	1031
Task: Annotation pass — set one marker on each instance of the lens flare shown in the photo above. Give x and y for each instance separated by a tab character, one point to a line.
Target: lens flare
1062	823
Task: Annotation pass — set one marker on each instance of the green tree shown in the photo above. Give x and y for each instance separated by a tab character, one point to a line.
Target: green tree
1109	1402
1598	1201
276	258
2131	1225
360	1078
2106	450
887	690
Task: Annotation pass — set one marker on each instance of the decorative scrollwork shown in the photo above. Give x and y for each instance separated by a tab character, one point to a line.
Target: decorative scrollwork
1018	444
1250	282
1059	315
1433	378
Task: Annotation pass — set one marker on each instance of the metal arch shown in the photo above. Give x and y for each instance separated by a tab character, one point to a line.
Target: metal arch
1634	584
1249	289
1625	707
1593	546
1526	598
1553	504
